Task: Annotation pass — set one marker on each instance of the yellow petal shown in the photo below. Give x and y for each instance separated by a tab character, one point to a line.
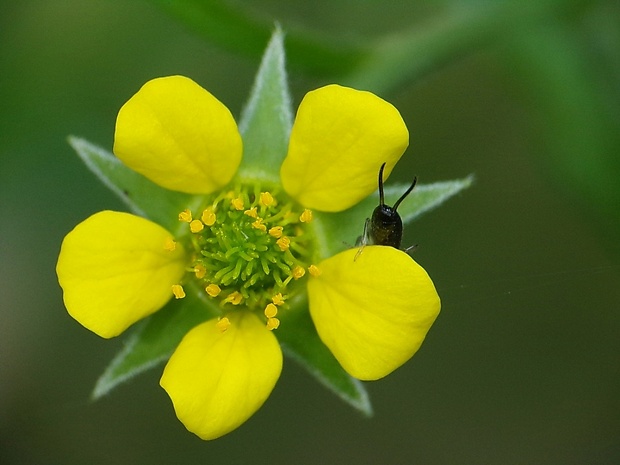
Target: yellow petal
218	379
340	138
114	270
179	136
373	312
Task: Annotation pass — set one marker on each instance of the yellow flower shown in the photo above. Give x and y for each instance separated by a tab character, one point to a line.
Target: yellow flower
116	268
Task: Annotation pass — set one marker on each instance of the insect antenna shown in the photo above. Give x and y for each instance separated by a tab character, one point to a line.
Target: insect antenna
402	197
381	202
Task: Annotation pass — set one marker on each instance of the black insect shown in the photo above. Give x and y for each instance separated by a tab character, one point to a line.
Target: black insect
385	227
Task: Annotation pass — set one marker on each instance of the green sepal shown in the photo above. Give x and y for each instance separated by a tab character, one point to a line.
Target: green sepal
424	197
339	231
300	341
143	197
267	118
154	339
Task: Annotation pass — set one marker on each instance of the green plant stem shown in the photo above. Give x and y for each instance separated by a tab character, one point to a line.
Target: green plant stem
409	55
384	64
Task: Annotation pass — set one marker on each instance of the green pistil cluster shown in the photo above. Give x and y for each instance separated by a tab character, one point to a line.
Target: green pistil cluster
250	246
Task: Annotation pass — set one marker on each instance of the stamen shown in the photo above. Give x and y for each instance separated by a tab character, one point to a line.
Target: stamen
258	224
298	272
252	213
185	216
314	270
271	310
273	323
237	203
178	291
223	324
251	249
200	271
213	290
170	245
284	243
276	231
196	226
208	216
278	299
306	216
266	199
234	298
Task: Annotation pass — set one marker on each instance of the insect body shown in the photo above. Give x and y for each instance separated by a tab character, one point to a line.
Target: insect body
385	227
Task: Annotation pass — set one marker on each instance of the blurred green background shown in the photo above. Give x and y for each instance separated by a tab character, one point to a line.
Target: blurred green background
522	365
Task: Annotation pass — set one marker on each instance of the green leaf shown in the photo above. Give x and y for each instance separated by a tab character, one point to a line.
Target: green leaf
244	31
301	342
339	231
154	340
142	196
267	119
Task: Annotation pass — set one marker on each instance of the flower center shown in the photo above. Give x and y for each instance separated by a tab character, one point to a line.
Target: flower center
250	248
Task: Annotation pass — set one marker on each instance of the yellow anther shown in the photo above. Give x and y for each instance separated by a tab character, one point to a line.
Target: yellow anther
266	199
200	271
258	224
276	231
314	270
278	299
208	216
298	272
185	216
251	212
178	291
234	298
237	203
196	226
271	310
213	290
273	323
170	245
284	243
306	216
223	324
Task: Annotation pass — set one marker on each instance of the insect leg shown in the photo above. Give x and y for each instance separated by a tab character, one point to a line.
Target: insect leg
411	248
364	239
